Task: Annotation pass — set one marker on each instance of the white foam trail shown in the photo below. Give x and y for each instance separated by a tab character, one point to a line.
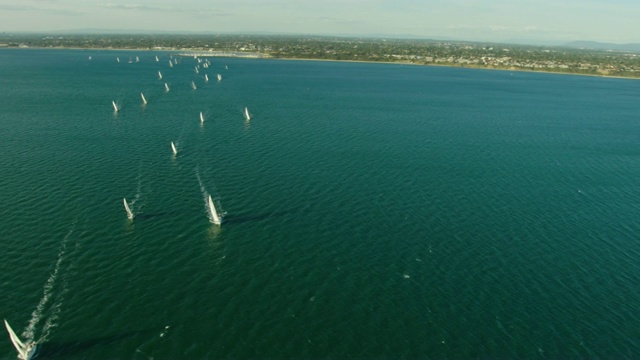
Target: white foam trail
205	195
138	189
205	199
186	123
164	332
52	320
37	315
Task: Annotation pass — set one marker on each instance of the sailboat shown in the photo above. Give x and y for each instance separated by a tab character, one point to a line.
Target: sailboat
157	59
220	77
117	59
170	63
159	75
173	147
206	77
214	214
196	70
201	117
144	100
247	116
126	207
25	351
166	86
115	107
193	85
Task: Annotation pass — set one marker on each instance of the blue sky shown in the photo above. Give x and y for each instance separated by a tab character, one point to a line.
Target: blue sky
478	20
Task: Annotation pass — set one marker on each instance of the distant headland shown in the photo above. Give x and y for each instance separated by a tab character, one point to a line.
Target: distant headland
573	60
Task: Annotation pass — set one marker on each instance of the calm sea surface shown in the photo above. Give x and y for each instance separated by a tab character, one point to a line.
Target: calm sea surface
372	210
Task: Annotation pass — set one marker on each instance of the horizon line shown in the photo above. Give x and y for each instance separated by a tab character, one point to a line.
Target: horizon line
273	33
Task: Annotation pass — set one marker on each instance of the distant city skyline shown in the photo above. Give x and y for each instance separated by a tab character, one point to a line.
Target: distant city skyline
548	21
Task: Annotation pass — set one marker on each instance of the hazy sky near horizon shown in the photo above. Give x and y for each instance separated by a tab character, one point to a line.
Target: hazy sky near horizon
476	20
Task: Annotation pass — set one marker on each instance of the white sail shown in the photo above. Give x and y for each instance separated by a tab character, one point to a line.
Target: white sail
115	107
126	207
144	100
170	63
193	85
117	59
137	59
173	147
220	77
214	214
246	114
201	117
25	352
196	70
159	75
206	77
166	86
157	59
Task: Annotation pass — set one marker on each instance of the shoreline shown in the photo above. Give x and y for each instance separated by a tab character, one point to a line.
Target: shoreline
460	67
269	57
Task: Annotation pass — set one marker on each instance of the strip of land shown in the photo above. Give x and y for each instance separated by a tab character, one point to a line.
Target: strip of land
614	63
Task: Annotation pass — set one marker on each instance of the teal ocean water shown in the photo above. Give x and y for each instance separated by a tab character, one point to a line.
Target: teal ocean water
371	210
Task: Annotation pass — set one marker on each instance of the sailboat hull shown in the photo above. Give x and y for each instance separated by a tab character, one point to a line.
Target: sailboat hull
31	353
25	351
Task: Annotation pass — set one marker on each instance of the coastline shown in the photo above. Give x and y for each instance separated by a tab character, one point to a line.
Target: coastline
270	57
457	66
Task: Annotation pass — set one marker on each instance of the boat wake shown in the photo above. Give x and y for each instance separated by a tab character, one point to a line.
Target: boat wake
210	209
152	343
184	131
138	196
205	195
50	303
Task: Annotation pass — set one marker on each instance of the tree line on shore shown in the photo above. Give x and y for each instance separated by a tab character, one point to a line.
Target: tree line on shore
416	51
